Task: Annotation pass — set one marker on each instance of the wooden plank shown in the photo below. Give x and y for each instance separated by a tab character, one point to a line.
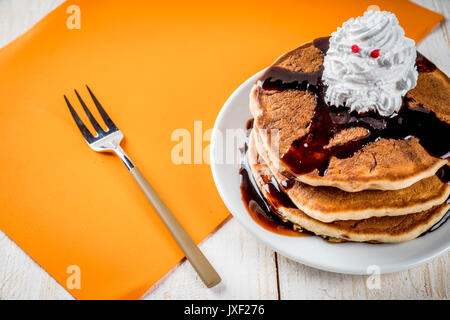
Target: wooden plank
17	16
246	266
430	281
436	44
22	278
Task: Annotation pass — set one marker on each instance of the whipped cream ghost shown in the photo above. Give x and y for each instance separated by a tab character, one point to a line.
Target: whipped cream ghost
370	64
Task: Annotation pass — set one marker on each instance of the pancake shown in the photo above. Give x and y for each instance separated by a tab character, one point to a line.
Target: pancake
375	229
330	204
284	116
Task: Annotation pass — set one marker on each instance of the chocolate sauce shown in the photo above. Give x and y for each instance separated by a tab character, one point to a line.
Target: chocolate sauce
444	174
311	151
439	224
264	210
289	182
277	78
322	44
249	126
423	64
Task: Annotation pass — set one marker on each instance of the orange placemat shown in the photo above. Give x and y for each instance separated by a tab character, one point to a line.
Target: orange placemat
156	67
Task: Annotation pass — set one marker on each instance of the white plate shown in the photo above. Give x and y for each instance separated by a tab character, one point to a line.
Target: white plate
350	258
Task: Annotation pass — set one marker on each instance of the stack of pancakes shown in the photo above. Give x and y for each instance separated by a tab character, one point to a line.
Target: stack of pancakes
389	190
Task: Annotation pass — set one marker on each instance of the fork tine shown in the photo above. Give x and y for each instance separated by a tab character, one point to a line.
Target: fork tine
89	114
84	131
109	123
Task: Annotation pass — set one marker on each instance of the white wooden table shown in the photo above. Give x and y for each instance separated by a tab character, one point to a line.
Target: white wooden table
249	269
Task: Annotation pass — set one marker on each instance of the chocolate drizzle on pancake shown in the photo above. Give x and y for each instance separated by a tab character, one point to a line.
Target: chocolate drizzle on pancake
310	152
423	64
444	174
263	209
277	78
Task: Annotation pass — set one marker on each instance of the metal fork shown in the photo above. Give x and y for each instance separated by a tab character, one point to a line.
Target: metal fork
109	140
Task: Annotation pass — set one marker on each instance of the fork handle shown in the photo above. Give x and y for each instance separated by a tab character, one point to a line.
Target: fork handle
204	269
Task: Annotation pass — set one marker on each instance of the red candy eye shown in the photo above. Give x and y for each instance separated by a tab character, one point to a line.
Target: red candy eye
355	48
375	54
